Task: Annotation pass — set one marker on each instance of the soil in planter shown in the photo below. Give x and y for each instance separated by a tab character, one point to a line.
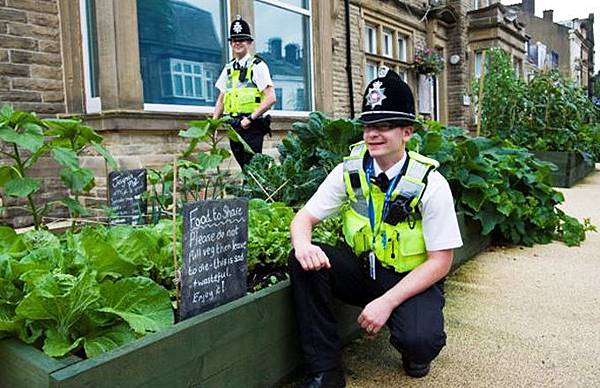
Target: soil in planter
263	277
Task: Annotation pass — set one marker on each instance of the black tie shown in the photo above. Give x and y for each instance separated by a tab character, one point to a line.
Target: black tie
382	181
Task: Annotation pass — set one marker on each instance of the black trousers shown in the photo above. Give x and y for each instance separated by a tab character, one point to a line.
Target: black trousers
416	326
254	136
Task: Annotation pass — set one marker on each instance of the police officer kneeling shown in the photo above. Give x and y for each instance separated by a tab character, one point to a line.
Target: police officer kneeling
400	228
246	93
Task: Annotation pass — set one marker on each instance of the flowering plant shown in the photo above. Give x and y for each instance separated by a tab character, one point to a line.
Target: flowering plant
428	61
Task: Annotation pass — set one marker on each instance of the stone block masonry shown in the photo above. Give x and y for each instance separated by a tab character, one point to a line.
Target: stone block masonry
31	80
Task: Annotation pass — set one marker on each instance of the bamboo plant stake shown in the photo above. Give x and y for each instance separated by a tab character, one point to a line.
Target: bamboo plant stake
177	272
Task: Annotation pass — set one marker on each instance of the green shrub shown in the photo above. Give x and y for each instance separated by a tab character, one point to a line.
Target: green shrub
503	187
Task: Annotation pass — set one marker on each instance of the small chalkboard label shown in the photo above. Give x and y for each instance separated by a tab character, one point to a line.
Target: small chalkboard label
214	267
125	196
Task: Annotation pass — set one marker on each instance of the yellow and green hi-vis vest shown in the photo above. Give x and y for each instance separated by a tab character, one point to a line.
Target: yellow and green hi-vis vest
241	95
405	248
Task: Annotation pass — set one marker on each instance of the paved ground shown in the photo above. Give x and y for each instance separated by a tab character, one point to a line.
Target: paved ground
515	317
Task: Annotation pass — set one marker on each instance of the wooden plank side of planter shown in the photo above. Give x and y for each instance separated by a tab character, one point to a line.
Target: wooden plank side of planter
27	367
473	241
251	342
571	167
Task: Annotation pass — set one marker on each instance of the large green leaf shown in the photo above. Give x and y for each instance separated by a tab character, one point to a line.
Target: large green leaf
58	344
75	208
65	157
112	163
138	246
208	161
37	239
62	299
6	174
44	258
21	187
79	180
197	130
10	241
31	137
143	304
7	319
108	339
100	256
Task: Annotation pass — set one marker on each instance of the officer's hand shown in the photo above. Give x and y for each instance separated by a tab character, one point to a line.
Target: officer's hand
375	315
245	123
312	258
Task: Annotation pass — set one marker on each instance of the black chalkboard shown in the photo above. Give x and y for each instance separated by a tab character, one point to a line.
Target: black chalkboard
125	191
214	267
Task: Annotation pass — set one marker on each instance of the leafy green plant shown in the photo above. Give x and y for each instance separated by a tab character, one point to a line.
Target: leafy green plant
199	173
69	139
29	138
503	187
548	113
269	241
307	154
92	290
24	134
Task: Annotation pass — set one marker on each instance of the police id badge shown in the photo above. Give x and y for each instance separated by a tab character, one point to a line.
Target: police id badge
372	259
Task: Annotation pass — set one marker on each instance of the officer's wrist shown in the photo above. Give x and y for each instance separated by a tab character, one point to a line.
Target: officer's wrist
250	118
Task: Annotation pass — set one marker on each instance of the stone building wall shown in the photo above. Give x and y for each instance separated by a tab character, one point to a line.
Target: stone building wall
458	75
31	79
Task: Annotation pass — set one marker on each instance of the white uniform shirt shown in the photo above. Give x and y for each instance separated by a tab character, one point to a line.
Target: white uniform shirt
440	226
260	75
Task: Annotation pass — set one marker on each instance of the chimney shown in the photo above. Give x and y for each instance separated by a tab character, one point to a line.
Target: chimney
292	52
528	7
275	47
548	15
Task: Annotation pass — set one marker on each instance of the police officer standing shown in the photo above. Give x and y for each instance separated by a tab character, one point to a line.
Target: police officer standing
400	230
246	93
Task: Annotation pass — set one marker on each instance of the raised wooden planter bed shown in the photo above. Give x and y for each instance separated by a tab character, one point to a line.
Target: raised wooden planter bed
571	167
251	342
473	241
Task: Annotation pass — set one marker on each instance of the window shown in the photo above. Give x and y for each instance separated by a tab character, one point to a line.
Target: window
182	50
402	48
282	38
402	75
478	63
370	39
370	72
90	55
279	96
387	43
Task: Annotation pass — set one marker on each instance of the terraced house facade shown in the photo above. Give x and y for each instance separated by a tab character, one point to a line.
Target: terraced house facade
137	71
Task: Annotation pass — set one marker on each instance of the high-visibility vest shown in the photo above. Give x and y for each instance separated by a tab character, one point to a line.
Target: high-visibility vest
242	95
404	248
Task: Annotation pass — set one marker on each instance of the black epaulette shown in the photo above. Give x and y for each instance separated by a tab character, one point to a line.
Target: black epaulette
257	59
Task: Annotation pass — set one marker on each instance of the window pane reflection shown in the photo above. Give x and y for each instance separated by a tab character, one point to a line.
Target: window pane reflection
282	40
181	49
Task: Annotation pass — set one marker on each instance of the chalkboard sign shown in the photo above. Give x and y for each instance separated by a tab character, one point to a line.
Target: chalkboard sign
214	267
125	190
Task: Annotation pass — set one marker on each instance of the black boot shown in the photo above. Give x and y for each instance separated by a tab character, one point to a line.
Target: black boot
415	370
333	378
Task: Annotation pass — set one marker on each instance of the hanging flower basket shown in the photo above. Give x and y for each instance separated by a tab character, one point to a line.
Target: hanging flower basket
428	61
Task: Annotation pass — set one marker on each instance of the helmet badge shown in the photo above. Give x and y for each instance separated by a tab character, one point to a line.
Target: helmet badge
237	27
375	95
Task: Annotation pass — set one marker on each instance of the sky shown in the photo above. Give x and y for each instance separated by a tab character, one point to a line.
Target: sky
570	9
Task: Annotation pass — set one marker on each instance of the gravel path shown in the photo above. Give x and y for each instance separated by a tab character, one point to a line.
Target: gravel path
515	317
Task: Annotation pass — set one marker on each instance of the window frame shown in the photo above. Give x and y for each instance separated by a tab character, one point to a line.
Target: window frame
308	13
390	43
92	104
402	51
370	46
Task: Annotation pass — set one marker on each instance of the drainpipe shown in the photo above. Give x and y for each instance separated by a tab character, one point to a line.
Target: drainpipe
349	57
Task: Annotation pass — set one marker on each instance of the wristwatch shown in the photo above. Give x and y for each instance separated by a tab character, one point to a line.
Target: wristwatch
249	117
